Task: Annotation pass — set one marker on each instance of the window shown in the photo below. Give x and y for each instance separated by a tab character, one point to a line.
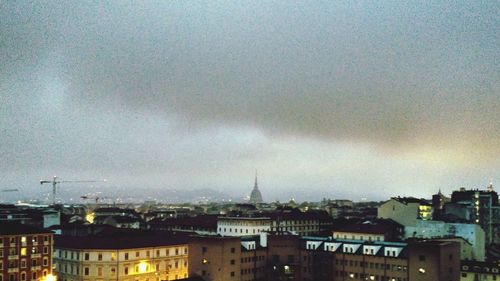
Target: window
23	251
136	254
126	270
23	276
46	238
34	239
99	257
232	261
232	273
33	276
46	251
45	262
87	256
126	256
23	239
33	263
421	258
204	249
23	263
86	271
99	271
233	250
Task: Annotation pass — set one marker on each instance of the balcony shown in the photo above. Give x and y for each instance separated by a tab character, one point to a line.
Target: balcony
13	257
36	267
37	255
13	270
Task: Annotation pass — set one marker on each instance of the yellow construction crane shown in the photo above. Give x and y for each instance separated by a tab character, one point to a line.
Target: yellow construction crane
55	182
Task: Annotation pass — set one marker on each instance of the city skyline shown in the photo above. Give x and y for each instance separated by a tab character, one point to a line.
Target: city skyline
341	100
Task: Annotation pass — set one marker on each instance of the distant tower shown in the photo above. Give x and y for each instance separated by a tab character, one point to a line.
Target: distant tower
255	196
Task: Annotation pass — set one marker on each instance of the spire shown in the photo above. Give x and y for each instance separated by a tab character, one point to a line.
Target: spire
256	196
256	186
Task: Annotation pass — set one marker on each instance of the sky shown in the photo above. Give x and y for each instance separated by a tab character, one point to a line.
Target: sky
336	99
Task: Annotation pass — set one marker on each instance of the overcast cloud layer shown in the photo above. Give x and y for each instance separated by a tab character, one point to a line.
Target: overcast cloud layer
326	99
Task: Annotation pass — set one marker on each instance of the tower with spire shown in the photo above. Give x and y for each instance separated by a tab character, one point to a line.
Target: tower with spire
255	196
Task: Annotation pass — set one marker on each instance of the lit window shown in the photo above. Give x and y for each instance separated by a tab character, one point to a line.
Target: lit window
23	251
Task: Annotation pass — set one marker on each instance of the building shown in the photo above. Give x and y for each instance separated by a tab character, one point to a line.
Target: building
242	226
201	224
215	258
282	256
255	196
293	220
376	230
25	252
438	201
472	233
125	256
475	271
405	210
482	208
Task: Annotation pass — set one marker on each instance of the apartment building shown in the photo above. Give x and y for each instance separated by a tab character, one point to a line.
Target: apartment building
242	226
25	252
289	257
121	257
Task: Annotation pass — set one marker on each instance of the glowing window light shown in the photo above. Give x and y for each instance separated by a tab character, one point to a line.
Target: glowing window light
49	277
421	270
143	267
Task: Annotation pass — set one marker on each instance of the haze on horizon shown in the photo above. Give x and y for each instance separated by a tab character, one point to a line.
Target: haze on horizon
325	98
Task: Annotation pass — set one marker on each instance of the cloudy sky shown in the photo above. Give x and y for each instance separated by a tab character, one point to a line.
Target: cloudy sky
339	99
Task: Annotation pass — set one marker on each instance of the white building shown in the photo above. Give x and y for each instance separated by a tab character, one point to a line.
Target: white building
242	226
472	233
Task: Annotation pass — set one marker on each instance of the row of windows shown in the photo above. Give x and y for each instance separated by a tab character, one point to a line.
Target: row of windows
23	251
241	230
23	263
23	275
252	259
364	276
287	222
139	268
251	270
24	239
244	223
112	256
361	237
477	276
355	263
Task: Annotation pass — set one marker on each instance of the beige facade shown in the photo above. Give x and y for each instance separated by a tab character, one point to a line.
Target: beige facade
405	211
358	236
162	262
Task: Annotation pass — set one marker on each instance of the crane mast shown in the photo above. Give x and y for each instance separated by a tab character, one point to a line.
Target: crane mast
55	182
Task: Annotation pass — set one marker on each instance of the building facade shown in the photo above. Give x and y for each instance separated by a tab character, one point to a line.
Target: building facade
242	226
127	258
25	253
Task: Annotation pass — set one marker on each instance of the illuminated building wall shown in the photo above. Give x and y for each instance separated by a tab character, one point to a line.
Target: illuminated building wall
126	258
405	211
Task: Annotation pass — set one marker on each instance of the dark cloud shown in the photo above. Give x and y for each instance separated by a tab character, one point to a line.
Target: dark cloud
151	87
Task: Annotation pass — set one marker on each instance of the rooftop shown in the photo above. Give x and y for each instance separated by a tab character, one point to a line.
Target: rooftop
13	228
